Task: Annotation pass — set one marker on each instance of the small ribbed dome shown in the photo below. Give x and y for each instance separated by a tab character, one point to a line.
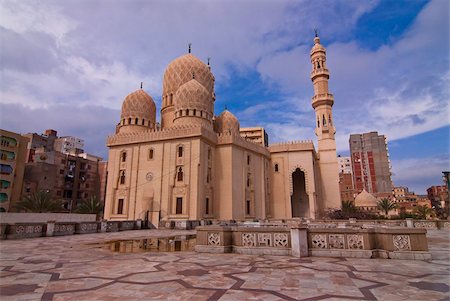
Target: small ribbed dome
365	199
317	46
192	95
226	122
139	105
180	71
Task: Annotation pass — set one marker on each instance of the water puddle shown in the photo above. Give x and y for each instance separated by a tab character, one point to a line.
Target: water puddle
159	244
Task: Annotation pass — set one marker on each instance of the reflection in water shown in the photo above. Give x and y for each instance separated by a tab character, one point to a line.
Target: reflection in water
160	244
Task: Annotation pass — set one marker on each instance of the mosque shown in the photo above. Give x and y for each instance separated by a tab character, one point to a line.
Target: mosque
195	166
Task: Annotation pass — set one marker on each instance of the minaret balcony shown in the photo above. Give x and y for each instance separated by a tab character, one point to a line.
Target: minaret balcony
318	72
322	99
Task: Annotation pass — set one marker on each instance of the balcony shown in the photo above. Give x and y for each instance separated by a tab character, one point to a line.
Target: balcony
320	71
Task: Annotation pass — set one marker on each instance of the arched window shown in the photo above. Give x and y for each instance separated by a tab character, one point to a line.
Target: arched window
124	156
129	120
143	121
171	98
201	113
329	120
180	151
318	122
248	159
136	120
276	167
122	177
187	112
195	112
180	174
324	121
150	153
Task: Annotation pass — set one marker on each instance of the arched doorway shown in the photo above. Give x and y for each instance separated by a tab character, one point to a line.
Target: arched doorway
299	197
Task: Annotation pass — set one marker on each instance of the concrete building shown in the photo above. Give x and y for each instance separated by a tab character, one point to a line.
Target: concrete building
370	163
72	176
13	150
438	195
255	135
198	166
402	194
66	144
346	187
345	164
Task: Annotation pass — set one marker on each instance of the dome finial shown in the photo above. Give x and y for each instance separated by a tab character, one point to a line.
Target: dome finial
208	60
142	84
226	108
189	48
315	33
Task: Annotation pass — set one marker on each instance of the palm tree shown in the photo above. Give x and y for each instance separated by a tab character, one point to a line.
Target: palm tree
423	211
39	202
386	205
348	207
90	206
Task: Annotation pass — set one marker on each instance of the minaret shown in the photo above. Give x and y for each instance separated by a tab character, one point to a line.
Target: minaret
322	102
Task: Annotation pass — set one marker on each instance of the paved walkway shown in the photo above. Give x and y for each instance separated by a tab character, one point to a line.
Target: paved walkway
77	268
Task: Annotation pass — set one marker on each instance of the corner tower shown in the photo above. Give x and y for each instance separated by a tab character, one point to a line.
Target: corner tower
322	102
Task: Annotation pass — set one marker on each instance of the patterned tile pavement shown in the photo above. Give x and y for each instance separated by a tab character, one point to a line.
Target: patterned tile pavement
80	268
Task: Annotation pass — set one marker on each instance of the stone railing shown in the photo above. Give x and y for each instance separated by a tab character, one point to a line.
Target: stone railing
299	241
52	228
244	240
398	243
24	230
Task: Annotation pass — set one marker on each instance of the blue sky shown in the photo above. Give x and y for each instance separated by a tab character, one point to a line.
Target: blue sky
68	65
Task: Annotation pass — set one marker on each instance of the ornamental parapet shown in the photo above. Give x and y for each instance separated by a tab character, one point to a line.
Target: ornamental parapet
236	139
175	132
320	71
299	145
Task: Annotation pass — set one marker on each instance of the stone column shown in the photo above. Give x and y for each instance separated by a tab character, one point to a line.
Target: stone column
409	222
103	226
50	228
299	242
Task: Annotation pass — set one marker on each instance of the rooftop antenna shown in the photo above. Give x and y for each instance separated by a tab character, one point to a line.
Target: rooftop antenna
141	84
189	49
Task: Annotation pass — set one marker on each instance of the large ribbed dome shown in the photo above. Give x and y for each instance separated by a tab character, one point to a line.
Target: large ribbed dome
180	71
226	122
139	105
192	95
365	199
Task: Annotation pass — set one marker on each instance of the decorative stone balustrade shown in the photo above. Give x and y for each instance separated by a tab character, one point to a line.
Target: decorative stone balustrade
64	229
87	227
126	225
112	226
24	230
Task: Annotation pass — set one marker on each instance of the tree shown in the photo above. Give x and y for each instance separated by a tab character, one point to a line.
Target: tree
90	206
348	207
423	211
386	205
39	202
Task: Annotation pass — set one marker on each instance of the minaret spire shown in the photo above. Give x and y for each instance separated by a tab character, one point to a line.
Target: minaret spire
142	84
189	48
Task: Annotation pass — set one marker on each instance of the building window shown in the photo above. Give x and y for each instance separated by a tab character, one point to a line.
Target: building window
187	112
208	175
179	206
207	206
195	112
150	153
122	177
248	160
180	151
120	206
276	167
180	174
248	180
247	207
123	156
143	121
129	120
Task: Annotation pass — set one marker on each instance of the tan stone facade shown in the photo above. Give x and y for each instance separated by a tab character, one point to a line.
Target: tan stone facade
197	166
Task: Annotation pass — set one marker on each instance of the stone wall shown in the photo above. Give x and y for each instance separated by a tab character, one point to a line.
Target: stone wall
9	217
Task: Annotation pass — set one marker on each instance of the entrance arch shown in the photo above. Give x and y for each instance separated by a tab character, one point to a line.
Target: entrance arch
299	197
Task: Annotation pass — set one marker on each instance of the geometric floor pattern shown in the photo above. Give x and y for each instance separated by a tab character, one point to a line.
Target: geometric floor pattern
75	268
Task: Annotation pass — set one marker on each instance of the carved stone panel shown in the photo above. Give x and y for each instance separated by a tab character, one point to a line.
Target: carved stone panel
214	239
355	242
336	241
319	241
249	239
265	239
401	242
280	239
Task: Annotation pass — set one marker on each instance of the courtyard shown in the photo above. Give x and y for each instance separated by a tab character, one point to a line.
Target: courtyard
82	267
